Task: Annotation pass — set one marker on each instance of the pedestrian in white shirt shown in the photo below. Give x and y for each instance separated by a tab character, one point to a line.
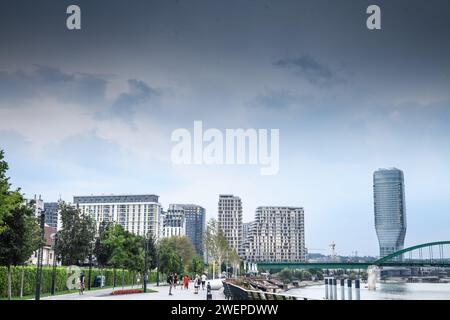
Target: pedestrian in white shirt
203	281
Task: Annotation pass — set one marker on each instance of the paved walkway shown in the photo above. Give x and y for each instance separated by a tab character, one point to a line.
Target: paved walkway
161	294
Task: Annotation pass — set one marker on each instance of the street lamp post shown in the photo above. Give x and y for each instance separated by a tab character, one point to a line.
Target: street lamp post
40	257
145	263
226	266
90	270
55	255
157	269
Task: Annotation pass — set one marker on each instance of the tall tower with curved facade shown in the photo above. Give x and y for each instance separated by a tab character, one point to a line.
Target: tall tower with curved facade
390	213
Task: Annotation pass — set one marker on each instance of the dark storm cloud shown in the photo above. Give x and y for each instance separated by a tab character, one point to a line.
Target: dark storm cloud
307	67
79	88
126	103
85	89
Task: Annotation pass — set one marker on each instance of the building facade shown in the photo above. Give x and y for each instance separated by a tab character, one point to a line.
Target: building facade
230	221
195	225
174	222
389	209
186	220
248	236
277	235
48	249
138	214
51	210
246	226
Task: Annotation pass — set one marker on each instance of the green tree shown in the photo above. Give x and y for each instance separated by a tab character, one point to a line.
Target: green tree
235	261
20	238
306	275
75	240
223	249
182	246
116	243
297	274
102	251
216	245
150	247
127	250
197	266
169	260
285	275
317	273
9	200
134	247
210	243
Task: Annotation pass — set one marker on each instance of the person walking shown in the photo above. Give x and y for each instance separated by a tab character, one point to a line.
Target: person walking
196	284
81	283
203	281
170	283
175	280
186	282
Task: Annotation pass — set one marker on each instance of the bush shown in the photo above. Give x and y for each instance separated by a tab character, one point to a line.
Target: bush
285	275
29	281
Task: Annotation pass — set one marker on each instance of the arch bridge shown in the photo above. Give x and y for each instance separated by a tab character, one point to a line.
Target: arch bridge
431	254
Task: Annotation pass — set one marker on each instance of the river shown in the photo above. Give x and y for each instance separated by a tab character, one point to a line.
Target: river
384	291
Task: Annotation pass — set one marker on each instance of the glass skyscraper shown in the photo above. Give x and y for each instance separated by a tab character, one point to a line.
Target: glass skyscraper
390	213
195	225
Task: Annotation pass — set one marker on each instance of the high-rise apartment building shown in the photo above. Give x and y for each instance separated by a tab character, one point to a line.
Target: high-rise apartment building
248	233
195	225
389	207
246	226
174	222
230	221
186	220
138	214
51	210
277	235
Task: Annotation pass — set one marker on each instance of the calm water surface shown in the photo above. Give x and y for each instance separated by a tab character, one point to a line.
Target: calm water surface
385	291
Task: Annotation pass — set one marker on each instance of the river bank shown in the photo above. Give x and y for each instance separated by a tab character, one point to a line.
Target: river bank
303	284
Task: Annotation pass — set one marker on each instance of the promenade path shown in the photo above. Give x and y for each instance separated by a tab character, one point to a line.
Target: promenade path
161	294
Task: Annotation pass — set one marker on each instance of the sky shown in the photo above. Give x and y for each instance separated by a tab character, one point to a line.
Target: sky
91	111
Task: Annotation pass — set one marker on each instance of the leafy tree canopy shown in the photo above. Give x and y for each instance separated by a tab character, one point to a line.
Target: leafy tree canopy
102	251
127	249
9	199
21	237
76	239
182	246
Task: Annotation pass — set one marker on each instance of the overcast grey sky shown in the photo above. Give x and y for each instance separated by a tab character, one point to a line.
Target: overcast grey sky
92	111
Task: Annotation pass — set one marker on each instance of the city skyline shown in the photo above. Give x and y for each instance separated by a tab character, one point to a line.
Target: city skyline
92	112
209	216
